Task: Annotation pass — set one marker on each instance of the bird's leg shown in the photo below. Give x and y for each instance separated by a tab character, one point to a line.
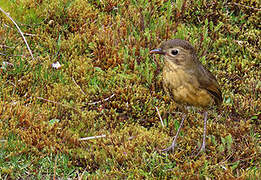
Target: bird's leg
176	136
203	145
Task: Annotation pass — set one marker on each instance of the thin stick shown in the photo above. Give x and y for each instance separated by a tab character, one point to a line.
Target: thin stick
81	177
78	86
47	100
12	55
256	9
92	137
54	169
4	46
106	99
160	117
28	34
19	32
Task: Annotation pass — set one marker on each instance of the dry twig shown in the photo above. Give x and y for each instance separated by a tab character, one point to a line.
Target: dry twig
22	34
54	169
78	86
160	117
92	137
106	99
256	9
54	102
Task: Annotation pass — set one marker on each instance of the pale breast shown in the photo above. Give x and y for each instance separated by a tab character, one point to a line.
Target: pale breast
184	88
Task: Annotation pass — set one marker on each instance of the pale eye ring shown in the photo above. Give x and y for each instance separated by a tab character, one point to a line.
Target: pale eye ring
174	52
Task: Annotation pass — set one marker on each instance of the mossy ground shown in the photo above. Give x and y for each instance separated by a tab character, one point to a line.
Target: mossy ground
103	48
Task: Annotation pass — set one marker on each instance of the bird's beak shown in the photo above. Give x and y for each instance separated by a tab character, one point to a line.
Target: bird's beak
157	51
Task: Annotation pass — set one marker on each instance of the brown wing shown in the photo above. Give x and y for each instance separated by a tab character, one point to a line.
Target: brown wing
216	93
208	81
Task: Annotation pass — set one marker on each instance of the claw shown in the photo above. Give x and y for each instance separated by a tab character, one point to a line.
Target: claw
172	147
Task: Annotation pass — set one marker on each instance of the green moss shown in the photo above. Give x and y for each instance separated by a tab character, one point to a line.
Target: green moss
108	84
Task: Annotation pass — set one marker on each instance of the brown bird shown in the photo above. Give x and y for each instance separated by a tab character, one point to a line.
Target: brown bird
187	81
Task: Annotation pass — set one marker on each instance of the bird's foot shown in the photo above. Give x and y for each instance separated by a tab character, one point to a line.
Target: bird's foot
201	150
176	137
170	148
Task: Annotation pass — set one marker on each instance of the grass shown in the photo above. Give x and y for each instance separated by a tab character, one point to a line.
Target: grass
109	84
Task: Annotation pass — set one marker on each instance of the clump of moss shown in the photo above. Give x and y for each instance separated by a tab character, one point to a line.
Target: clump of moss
108	84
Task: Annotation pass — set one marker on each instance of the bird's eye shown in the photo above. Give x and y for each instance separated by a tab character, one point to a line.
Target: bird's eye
174	52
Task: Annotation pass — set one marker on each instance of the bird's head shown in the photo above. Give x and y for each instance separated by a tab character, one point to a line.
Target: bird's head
177	51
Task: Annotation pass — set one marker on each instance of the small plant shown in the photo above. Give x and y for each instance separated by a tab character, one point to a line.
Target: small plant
106	84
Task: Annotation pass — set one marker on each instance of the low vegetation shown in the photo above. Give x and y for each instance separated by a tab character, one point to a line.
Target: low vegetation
109	85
